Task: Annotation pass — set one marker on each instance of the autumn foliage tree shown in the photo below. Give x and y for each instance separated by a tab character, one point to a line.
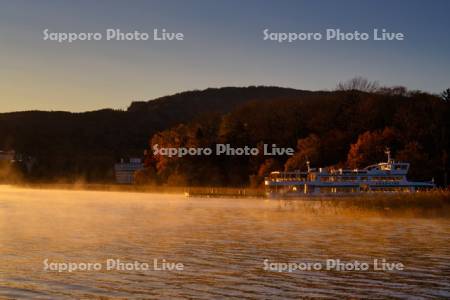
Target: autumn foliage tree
370	147
345	128
419	161
308	149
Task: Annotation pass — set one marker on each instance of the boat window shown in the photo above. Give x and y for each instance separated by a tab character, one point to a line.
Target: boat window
312	176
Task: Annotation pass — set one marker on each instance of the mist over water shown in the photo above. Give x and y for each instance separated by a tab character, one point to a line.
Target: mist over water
222	244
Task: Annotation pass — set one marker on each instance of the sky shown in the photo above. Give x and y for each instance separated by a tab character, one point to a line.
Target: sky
223	46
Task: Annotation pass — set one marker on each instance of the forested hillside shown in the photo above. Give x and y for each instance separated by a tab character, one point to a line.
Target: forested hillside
342	128
73	146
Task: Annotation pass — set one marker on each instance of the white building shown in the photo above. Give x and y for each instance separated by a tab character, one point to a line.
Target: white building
124	171
7	155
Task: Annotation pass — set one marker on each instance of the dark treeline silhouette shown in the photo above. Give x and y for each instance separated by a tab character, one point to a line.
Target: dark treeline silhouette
346	127
84	146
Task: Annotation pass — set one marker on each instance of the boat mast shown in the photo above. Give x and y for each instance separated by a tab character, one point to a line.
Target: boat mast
308	165
388	153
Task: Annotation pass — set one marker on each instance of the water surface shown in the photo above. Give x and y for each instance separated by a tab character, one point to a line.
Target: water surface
222	244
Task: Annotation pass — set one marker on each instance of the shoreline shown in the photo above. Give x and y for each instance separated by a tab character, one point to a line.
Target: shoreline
434	203
187	191
218	191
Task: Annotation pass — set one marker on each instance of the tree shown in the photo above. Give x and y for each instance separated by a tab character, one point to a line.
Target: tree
419	161
445	95
393	90
359	84
308	150
370	147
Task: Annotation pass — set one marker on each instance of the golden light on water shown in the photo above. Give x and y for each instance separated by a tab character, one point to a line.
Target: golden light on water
221	242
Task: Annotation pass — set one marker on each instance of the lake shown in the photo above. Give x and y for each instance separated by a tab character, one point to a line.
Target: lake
224	248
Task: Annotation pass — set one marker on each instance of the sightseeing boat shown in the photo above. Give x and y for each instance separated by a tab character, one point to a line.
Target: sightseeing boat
387	176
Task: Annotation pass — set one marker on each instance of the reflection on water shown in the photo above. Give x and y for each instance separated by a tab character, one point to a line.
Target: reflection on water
221	242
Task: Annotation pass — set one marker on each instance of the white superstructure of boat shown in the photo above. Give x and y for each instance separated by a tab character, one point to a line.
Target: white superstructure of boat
387	176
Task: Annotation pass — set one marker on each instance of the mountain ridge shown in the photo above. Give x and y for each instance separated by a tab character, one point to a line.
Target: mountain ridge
60	139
